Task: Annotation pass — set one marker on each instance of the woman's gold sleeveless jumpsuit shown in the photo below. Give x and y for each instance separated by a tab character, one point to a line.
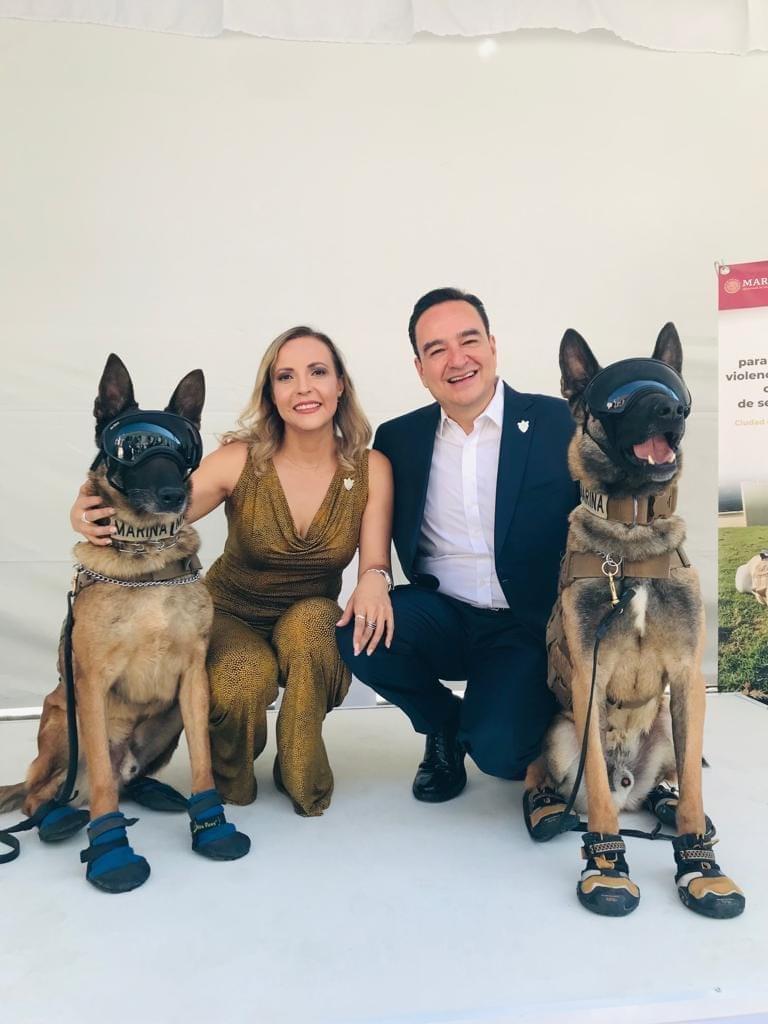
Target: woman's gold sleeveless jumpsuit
275	607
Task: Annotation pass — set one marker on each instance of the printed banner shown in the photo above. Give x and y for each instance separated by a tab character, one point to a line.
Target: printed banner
743	478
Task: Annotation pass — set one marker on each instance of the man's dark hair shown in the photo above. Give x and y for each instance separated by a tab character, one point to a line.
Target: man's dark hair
434	298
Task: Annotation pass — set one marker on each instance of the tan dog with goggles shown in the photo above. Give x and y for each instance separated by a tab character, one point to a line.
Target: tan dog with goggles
138	644
628	623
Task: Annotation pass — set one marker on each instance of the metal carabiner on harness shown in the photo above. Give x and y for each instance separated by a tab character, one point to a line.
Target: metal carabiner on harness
610	568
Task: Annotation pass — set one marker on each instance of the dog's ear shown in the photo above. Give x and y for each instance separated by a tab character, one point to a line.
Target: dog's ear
668	348
577	366
187	400
115	393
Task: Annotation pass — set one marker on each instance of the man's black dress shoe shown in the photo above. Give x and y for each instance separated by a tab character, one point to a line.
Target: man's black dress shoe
441	775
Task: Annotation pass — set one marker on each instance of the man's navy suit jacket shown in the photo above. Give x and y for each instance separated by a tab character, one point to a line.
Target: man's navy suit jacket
534	494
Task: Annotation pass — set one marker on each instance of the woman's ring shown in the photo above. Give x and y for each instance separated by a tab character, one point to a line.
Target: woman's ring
85	518
361	617
369	624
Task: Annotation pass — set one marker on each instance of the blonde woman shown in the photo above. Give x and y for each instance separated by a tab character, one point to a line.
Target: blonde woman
302	492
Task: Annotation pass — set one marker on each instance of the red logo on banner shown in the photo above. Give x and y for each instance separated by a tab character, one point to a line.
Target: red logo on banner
743	285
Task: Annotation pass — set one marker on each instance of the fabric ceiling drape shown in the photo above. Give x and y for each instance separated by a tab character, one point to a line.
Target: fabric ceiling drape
715	26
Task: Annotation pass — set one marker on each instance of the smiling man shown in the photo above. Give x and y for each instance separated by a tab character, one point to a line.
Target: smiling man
482	495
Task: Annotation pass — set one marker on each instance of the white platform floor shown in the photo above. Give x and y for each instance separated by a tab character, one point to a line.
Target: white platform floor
387	911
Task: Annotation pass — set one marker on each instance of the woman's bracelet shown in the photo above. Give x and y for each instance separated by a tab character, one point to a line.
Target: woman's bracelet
385	574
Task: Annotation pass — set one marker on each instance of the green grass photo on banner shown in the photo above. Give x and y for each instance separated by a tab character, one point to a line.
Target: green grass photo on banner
742	620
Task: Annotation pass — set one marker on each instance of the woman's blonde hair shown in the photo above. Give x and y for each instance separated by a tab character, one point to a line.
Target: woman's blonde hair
262	428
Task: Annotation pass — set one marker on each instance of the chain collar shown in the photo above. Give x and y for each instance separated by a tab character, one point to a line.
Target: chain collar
97	577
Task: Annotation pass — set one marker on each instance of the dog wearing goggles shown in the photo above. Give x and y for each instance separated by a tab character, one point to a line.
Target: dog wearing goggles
138	644
627	625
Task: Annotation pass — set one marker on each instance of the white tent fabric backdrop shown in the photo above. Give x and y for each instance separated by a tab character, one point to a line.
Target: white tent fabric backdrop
181	201
716	26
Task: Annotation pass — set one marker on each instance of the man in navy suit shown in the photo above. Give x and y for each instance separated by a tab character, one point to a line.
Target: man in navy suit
482	495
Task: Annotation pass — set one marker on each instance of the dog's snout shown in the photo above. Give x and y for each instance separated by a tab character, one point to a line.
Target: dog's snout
668	410
171	499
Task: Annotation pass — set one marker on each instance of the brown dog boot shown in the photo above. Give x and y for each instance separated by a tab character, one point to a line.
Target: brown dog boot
662	801
543	812
701	885
605	886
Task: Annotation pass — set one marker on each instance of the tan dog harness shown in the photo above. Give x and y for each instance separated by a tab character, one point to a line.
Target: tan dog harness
579	565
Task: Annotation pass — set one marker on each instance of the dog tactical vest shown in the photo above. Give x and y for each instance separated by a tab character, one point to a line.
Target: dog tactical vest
579	565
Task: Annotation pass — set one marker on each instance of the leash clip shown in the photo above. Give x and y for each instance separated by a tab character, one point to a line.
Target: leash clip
610	568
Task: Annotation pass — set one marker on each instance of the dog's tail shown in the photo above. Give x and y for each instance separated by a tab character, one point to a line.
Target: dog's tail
12	797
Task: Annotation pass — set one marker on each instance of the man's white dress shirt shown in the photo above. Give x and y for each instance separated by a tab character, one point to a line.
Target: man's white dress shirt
456	540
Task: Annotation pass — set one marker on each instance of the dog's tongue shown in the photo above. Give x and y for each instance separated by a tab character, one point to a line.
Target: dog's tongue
656	447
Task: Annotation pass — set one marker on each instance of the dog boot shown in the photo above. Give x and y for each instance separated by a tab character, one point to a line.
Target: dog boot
543	810
156	795
605	886
701	884
112	864
212	835
60	822
662	802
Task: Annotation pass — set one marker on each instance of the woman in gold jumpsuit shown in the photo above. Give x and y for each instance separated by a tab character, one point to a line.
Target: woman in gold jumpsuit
301	492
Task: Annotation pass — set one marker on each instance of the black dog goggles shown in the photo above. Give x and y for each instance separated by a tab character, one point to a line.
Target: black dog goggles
134	437
616	388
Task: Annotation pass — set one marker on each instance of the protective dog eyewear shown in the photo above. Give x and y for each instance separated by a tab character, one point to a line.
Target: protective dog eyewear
130	439
617	387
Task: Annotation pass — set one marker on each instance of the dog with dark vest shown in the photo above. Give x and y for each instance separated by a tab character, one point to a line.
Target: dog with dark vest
138	644
625	581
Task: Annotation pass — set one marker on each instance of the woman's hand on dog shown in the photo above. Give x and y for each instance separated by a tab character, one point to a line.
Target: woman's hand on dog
371	609
86	510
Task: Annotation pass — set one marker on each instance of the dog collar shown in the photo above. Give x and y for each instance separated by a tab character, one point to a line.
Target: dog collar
139	539
631	510
177	574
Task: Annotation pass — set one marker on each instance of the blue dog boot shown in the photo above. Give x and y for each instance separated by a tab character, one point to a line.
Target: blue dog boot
212	835
112	864
156	795
60	822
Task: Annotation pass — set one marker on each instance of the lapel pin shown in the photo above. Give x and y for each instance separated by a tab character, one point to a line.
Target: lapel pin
522	425
348	482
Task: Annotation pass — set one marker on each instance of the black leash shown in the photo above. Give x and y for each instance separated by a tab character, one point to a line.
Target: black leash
615	612
65	792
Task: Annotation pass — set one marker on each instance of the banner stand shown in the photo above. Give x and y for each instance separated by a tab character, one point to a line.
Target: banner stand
743	478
